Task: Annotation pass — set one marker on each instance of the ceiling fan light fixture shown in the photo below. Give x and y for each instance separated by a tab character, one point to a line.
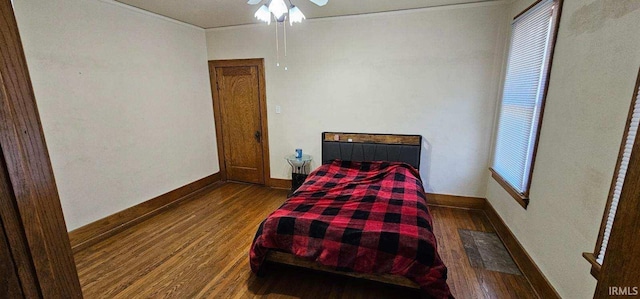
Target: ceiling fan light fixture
278	8
295	15
281	12
263	14
320	2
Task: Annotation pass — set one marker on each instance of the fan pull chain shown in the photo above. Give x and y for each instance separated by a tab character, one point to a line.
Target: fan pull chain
285	45
277	46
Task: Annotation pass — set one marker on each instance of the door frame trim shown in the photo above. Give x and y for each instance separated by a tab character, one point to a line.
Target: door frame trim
262	98
30	209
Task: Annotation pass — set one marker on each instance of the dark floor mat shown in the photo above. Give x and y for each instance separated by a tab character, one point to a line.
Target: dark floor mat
486	251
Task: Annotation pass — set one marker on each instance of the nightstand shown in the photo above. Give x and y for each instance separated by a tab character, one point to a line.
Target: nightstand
299	170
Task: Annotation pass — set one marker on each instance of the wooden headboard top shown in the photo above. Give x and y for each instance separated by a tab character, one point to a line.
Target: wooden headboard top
372	138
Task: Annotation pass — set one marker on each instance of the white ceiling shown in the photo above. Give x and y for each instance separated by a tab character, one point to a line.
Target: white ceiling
220	13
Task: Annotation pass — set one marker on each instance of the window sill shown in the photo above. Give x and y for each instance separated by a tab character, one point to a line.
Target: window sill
522	199
595	267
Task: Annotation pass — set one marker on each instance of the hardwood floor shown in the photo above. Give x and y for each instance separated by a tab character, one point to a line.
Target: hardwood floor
200	249
464	280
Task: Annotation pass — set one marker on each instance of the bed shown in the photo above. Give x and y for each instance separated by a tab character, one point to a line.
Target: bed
363	213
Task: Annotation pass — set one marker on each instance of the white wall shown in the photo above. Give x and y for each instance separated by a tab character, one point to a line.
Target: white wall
124	99
432	72
594	71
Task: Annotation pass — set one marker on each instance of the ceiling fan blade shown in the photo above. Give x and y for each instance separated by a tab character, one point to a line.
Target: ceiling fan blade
254	2
320	2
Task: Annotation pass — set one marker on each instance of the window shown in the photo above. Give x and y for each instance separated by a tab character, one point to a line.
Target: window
618	183
620	174
525	86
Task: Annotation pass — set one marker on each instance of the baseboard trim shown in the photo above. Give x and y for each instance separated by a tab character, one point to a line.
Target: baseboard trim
279	183
104	228
538	281
455	201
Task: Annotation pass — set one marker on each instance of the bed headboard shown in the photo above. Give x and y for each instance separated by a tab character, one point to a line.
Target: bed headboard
371	147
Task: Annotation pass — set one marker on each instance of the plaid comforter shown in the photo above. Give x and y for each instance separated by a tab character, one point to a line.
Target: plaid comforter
368	217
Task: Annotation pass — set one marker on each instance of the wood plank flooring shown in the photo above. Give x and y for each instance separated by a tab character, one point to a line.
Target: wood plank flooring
199	249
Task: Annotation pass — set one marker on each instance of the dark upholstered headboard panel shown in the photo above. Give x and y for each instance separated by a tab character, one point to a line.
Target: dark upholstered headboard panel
371	147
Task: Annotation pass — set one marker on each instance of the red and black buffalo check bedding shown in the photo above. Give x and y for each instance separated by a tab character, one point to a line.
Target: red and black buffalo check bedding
367	217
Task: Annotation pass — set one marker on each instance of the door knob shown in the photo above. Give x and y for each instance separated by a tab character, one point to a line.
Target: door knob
257	135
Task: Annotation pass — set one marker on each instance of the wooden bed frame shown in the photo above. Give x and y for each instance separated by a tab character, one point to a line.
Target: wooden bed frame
292	260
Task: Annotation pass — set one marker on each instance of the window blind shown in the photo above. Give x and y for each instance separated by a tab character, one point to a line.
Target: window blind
620	173
523	94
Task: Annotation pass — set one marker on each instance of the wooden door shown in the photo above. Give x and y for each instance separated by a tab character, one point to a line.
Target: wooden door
238	97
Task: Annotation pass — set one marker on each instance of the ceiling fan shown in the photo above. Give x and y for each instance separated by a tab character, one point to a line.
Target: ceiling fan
281	11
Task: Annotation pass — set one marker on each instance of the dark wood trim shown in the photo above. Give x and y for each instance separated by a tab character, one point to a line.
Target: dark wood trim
30	207
104	228
530	270
259	63
17	240
621	265
519	197
280	183
10	287
372	138
605	215
455	201
217	119
266	168
595	267
290	259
